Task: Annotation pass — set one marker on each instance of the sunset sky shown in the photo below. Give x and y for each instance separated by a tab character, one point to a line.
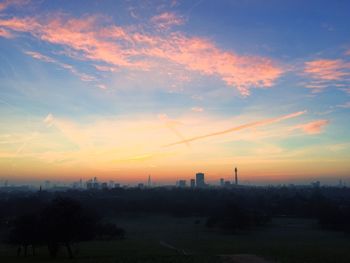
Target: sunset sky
124	89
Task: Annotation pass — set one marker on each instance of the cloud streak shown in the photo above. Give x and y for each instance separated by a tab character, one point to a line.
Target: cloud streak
73	70
327	72
241	127
166	20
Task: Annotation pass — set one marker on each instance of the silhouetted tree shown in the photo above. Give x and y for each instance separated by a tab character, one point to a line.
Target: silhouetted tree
66	222
26	231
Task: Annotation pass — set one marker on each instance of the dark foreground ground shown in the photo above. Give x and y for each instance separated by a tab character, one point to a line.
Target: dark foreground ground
187	239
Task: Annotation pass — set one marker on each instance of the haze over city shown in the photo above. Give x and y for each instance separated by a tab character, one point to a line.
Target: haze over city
125	89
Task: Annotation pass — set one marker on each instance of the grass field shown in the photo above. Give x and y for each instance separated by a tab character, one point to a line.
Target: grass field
285	240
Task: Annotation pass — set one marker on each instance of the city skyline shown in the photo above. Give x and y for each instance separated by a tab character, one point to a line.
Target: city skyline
127	89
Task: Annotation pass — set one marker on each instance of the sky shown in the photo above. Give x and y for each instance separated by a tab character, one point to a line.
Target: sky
125	89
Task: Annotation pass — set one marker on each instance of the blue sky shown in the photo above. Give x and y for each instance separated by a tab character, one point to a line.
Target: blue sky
103	87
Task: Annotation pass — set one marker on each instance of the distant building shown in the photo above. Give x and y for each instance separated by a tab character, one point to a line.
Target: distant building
227	184
149	182
95	184
111	184
47	184
316	184
236	176
193	183
182	183
222	182
89	184
141	185
200	182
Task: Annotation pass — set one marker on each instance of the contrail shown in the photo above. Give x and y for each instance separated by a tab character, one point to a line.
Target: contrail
171	125
241	127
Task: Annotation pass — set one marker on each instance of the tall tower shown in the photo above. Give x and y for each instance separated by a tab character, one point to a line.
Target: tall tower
236	176
149	183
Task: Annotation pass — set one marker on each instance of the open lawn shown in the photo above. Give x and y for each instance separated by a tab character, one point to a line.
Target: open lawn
160	238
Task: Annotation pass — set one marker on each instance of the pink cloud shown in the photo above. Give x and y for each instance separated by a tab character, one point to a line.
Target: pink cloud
73	70
327	69
326	72
120	47
314	127
7	3
166	20
40	56
5	33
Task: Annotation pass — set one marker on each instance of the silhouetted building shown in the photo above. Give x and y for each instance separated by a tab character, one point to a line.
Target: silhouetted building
182	183
222	182
104	186
47	184
227	184
149	182
236	176
89	184
316	184
95	184
200	182
193	183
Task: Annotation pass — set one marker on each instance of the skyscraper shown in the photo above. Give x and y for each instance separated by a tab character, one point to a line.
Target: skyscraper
193	183
200	180
149	182
236	176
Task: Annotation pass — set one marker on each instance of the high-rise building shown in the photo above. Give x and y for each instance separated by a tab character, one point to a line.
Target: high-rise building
182	183
193	183
222	182
200	180
236	176
149	182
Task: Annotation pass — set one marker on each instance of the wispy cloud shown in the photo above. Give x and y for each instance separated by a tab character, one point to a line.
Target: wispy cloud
346	105
327	72
197	109
241	127
73	70
166	20
92	38
314	127
4	33
7	3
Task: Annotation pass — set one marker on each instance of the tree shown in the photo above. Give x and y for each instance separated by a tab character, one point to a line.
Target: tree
26	231
65	222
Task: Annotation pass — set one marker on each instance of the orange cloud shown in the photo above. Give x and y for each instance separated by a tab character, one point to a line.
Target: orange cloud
314	127
124	47
241	127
